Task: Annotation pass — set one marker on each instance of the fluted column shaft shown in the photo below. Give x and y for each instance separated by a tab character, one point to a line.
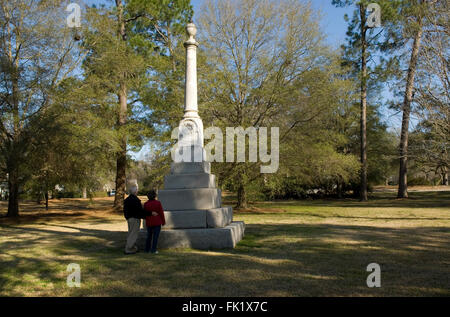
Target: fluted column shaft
190	98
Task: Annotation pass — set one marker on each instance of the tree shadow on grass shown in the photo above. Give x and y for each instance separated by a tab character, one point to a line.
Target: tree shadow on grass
271	260
60	209
376	218
439	199
53	216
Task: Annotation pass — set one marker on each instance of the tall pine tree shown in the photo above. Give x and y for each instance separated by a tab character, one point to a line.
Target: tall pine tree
360	53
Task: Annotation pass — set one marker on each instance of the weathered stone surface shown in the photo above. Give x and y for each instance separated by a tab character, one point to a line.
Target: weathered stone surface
190	167
189	153
189	219
182	181
202	239
190	96
185	219
190	199
219	217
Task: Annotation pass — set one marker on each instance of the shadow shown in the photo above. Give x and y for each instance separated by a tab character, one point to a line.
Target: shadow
375	218
55	216
271	260
60	210
376	200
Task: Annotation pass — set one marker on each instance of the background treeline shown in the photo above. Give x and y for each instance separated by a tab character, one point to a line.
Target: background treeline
75	102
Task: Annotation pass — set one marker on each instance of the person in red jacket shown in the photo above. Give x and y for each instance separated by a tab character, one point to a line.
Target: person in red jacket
153	222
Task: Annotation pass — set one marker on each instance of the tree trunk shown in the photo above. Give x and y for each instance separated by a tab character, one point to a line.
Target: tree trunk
339	190
13	170
46	200
84	192
122	155
241	192
13	199
241	197
122	120
403	171
445	177
38	198
363	124
120	177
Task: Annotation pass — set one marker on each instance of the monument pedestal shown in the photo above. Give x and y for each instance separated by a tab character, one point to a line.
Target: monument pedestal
202	239
195	217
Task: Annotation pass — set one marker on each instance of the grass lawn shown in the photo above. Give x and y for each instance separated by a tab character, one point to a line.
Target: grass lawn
290	248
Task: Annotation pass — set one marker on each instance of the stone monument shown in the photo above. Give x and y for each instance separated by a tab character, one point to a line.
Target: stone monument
195	217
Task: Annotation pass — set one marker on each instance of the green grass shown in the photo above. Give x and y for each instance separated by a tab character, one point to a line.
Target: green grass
290	248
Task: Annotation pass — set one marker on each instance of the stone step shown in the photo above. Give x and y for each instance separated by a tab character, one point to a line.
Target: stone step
185	219
190	199
219	217
190	167
202	239
181	181
188	219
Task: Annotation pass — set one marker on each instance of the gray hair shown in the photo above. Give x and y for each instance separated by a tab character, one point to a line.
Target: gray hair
133	189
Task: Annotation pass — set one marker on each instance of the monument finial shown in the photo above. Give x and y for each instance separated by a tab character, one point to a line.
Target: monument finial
191	31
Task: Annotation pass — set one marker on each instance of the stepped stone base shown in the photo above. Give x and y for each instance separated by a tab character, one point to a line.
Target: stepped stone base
219	217
190	199
190	168
202	239
183	181
209	218
193	208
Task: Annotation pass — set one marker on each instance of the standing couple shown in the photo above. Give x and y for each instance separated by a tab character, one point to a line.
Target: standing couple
153	214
